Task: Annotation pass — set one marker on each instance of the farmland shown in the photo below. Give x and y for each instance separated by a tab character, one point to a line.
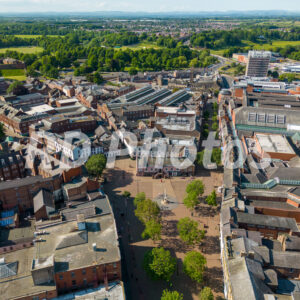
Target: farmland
32	36
16	74
25	50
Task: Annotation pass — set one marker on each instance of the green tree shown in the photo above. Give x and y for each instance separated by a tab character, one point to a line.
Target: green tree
17	88
31	72
275	74
96	164
211	199
97	78
191	200
52	73
147	210
206	294
196	186
132	71
126	194
139	198
205	133
206	115
171	295
199	158
215	106
215	126
216	156
2	131
189	232
194	265
152	230
159	264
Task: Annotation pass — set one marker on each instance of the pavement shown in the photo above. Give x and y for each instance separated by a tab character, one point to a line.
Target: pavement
137	284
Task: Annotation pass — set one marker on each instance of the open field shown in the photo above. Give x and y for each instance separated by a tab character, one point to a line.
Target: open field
32	36
133	248
273	45
25	50
267	46
16	74
140	46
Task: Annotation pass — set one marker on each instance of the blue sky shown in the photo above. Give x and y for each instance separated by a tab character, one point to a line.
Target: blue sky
145	5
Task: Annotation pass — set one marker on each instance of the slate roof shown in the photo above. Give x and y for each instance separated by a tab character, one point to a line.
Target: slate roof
43	198
292	243
269	221
285	259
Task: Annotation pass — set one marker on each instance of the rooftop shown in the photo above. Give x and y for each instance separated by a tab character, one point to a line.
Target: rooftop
115	292
274	143
269	221
73	249
22	283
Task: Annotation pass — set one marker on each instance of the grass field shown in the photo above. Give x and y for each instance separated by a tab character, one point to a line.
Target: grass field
26	50
280	44
140	46
16	74
32	36
273	45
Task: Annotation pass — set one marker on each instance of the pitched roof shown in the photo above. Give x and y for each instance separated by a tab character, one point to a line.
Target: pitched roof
8	270
43	198
273	221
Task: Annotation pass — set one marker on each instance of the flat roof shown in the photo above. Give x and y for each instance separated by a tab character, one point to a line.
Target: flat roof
115	292
22	283
38	109
71	100
73	249
10	236
274	143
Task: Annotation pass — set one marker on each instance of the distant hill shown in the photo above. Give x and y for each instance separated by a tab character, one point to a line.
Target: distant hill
123	14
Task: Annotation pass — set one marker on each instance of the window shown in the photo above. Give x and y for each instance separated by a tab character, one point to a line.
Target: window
270	118
252	117
114	265
61	277
280	119
83	272
72	274
261	118
84	281
94	270
73	282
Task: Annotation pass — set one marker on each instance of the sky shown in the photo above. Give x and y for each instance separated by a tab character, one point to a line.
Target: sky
14	6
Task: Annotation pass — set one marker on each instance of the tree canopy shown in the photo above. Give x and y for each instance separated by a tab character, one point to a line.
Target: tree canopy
216	156
159	264
206	294
194	265
147	210
139	198
2	131
171	295
17	88
96	164
191	200
196	187
152	230
211	199
126	194
189	232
